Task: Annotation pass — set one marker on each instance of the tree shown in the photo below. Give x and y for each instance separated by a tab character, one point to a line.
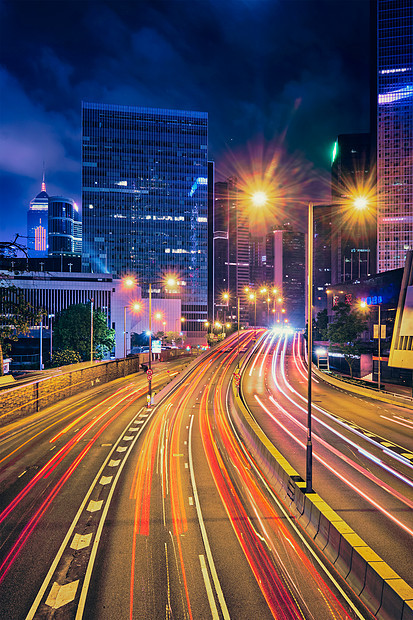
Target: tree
344	332
72	331
320	326
62	358
16	317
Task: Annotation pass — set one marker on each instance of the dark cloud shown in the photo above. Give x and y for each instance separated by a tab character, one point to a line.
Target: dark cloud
295	70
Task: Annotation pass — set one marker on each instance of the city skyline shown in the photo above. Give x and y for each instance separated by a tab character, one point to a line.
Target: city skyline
260	80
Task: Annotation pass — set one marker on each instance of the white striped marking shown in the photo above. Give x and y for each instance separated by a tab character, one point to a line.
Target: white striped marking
113	463
105	480
121	449
191	501
127	438
61	595
80	542
94	506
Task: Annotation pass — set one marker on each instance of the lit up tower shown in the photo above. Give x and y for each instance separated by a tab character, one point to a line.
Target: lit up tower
145	199
394	132
37	224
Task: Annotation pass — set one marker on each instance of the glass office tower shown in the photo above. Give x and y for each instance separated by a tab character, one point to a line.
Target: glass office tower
145	199
394	132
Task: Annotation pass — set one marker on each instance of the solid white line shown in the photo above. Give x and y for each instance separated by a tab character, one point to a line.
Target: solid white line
204	534
208	588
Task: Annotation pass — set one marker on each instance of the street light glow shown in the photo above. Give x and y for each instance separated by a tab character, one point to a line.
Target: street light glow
360	202
259	199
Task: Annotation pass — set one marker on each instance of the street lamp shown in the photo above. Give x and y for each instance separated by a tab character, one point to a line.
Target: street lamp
309	447
136	306
51	317
91	330
169	282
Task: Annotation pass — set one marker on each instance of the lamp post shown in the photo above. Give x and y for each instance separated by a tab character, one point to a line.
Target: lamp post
170	282
91	331
51	317
124	332
309	447
41	343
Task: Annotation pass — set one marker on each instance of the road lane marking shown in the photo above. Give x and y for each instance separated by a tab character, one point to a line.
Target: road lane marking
113	463
81	542
208	588
127	438
121	448
191	501
22	474
105	480
204	534
62	595
94	506
65	543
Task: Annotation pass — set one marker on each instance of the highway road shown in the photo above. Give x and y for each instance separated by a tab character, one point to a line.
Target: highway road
362	448
110	510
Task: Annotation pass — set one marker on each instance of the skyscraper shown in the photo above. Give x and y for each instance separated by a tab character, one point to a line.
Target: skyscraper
353	244
287	255
144	198
231	250
394	132
61	237
37	225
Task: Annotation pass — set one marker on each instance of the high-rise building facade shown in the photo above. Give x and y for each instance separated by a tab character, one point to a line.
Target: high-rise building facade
145	199
37	224
353	243
62	227
231	251
394	132
287	255
323	219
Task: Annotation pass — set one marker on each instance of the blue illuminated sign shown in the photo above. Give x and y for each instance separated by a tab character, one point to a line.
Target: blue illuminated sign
372	301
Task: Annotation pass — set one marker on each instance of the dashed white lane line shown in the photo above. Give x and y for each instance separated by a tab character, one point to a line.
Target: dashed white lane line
191	501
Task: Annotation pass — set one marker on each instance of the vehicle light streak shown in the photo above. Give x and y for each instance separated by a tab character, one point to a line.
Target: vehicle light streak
33	521
334	418
260	506
409	425
336	473
50	465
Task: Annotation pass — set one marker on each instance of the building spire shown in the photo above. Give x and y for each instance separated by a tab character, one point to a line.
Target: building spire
43	181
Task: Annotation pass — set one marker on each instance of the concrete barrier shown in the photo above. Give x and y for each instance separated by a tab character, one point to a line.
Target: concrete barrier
378	586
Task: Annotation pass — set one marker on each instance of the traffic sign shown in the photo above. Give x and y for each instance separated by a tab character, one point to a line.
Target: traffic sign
149	373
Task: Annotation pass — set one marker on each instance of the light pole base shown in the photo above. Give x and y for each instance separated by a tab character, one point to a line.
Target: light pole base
309	470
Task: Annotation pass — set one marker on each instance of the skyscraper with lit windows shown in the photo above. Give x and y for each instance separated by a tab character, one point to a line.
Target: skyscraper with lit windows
145	199
37	224
394	132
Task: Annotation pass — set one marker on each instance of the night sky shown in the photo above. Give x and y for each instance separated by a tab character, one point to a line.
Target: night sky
282	76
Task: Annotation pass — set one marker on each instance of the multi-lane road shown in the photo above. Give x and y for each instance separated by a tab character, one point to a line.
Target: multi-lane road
110	510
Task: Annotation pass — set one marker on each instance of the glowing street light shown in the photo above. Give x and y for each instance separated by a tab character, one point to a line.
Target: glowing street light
259	198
